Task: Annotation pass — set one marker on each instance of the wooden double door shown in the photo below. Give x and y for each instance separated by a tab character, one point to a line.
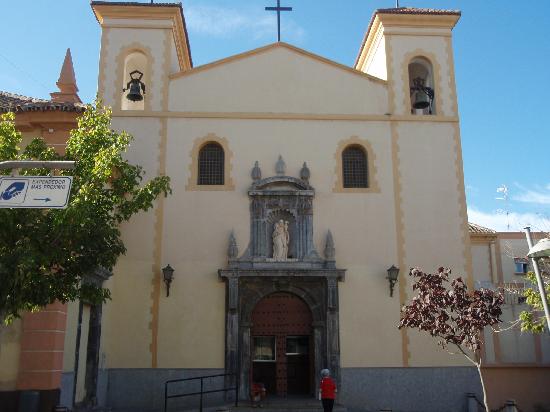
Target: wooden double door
282	347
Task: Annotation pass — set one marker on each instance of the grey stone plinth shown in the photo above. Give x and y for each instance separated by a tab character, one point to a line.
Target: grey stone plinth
429	389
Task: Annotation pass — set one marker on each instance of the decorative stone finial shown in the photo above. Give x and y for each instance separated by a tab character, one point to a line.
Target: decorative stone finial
256	171
329	247
232	250
280	166
305	173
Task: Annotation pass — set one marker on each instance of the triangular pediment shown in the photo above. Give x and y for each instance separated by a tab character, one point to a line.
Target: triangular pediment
278	78
267	49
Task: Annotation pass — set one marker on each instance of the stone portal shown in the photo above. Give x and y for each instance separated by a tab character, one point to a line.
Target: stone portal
256	277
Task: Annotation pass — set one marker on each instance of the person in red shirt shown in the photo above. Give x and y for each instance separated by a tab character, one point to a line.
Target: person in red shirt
327	390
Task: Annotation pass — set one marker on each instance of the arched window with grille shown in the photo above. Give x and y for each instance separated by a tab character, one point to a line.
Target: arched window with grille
355	167
211	165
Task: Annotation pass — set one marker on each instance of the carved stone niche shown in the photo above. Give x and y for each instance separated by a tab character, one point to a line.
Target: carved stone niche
274	199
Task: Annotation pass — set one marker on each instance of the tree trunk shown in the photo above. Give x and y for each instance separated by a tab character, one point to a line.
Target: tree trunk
483	387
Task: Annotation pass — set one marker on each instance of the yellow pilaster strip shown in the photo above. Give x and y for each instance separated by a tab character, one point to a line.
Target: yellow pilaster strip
166	69
157	254
389	71
463	211
399	219
102	64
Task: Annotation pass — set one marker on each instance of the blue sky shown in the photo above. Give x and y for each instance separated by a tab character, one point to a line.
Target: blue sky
502	57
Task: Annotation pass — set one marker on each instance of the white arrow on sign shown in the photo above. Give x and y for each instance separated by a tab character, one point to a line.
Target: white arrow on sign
35	192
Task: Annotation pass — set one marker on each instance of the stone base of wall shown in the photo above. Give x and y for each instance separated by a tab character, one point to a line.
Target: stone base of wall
430	389
528	386
434	389
67	381
141	390
10	400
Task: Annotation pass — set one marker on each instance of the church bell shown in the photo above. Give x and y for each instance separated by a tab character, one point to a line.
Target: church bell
135	93
421	96
135	87
421	100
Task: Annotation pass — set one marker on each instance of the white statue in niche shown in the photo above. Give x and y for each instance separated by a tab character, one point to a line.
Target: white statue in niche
281	240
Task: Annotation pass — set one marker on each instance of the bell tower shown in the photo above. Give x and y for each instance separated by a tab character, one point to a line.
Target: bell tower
142	44
412	49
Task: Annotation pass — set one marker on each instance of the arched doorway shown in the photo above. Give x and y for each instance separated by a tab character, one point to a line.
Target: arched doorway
282	345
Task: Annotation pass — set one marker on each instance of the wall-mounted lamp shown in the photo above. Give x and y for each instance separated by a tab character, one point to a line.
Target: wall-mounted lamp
168	275
423	95
393	274
135	85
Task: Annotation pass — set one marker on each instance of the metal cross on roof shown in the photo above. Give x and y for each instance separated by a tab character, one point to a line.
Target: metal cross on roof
278	9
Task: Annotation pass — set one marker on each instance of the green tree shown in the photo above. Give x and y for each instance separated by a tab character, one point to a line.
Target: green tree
533	320
46	254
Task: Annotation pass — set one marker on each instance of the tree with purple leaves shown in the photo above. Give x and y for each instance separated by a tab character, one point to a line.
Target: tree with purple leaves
450	313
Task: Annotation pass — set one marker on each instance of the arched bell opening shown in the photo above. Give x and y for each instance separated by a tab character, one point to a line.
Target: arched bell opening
282	345
421	85
134	85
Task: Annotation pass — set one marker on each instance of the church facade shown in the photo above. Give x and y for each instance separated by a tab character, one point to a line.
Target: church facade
297	184
340	159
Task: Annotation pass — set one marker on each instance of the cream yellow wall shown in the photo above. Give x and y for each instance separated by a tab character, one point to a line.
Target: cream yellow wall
509	249
516	346
278	80
481	262
126	320
510	346
432	217
363	232
375	63
280	101
10	346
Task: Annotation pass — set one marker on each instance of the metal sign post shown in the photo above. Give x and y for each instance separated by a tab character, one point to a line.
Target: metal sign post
540	282
43	192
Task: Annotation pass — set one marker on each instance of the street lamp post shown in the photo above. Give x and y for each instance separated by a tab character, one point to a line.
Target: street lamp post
541	249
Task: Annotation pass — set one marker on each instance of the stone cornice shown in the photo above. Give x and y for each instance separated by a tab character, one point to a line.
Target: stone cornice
338	274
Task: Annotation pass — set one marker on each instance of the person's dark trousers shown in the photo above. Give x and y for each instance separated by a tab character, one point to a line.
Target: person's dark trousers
328	404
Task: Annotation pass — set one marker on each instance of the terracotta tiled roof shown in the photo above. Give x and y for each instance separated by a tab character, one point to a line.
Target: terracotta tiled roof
10	102
473	228
136	3
414	10
403	10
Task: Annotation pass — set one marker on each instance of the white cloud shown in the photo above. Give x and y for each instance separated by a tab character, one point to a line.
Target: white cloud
226	22
539	195
497	220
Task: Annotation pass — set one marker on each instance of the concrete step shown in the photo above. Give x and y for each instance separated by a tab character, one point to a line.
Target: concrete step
319	408
280	406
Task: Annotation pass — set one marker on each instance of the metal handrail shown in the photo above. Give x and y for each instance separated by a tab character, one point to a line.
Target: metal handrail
202	391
